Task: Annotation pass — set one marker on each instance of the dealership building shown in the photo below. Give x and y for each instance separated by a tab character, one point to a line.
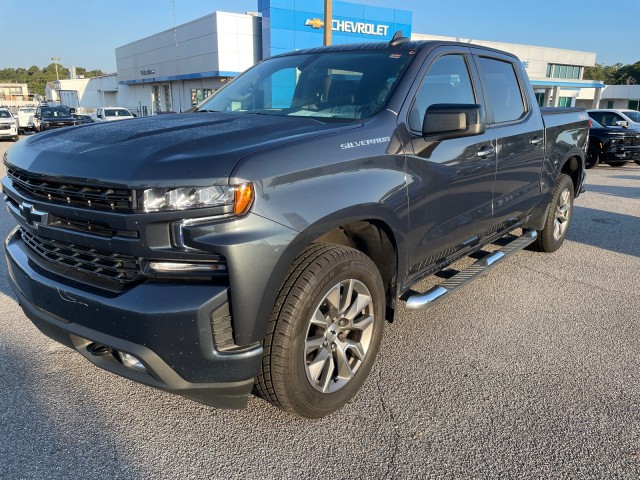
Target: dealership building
177	68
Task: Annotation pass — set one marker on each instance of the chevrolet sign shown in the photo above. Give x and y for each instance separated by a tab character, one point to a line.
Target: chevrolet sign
348	26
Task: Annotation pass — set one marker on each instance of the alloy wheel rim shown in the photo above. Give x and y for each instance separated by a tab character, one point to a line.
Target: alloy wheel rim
563	212
339	336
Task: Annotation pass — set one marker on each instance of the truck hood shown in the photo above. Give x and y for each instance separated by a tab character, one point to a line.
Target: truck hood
160	151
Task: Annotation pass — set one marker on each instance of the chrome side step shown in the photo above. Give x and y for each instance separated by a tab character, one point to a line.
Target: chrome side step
420	301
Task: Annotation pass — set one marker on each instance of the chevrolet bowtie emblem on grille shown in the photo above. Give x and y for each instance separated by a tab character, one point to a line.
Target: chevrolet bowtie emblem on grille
32	216
314	22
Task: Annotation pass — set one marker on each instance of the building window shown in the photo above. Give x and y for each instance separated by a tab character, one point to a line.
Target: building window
540	98
563	71
199	94
167	97
632	105
564	101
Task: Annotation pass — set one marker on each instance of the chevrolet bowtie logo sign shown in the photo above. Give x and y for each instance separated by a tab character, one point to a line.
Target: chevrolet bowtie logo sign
314	22
350	26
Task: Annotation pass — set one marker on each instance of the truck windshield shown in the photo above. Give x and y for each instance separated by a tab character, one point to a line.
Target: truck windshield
116	112
338	85
55	112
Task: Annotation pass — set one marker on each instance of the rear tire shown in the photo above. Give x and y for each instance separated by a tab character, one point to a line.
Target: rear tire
324	331
551	237
617	164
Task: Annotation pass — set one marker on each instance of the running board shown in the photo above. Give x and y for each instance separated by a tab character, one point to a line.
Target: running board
420	301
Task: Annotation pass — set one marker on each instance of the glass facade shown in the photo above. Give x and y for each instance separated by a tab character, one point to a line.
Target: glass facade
563	71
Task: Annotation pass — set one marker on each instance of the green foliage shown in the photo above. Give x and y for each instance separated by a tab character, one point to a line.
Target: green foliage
617	74
37	78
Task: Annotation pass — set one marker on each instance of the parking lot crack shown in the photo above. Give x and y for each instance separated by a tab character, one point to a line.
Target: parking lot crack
388	412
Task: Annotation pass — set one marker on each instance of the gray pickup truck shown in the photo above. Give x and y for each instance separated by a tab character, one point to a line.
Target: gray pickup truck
260	242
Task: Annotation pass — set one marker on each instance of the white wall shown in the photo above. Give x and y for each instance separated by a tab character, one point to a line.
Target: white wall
537	57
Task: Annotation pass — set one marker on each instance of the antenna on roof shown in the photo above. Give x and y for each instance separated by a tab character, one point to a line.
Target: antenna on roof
398	39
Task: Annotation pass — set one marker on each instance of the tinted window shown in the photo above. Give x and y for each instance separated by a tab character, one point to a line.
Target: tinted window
5	114
501	89
446	81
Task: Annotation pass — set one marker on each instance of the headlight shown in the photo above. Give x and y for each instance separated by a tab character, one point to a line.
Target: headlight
237	197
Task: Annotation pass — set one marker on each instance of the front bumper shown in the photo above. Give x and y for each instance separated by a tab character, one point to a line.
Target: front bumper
12	131
167	327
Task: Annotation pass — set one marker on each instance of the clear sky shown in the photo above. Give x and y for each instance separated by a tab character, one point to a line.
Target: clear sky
86	33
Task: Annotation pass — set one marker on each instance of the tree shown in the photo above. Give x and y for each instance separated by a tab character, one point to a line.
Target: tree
607	74
628	75
37	78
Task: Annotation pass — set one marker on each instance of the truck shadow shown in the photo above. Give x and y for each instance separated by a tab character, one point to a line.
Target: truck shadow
615	190
607	230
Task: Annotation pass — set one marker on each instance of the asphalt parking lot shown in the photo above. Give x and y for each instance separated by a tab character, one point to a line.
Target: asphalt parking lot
532	371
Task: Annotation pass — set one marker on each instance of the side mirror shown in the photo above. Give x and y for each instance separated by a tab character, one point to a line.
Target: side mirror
99	115
621	123
135	115
72	111
447	120
37	115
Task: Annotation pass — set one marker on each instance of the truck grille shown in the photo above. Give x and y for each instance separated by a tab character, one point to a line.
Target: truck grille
103	198
632	140
112	266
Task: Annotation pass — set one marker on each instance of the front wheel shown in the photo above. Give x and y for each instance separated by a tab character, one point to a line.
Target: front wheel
551	237
593	156
637	162
617	164
324	331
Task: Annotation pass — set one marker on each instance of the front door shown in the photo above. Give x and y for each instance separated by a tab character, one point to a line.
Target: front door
450	183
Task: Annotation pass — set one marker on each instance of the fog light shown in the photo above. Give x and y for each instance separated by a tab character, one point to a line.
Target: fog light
131	361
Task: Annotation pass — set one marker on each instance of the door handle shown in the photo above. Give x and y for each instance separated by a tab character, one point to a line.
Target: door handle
536	141
486	152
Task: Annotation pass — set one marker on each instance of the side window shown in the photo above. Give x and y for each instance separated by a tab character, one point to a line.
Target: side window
446	81
502	89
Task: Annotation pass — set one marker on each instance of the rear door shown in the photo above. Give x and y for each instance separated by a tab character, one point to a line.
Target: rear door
516	123
450	182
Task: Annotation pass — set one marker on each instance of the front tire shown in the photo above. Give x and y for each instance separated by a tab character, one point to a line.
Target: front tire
551	237
593	156
324	331
617	164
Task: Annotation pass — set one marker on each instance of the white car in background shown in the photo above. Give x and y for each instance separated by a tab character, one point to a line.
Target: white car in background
8	125
110	114
25	119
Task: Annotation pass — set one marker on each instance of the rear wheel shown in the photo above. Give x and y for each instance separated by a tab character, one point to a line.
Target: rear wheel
324	331
617	164
551	237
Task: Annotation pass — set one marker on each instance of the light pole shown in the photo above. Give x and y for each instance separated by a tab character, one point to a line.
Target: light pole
328	21
56	60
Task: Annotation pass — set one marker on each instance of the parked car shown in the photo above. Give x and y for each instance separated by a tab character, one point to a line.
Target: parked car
613	145
110	114
25	119
261	243
611	117
8	125
82	118
47	118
